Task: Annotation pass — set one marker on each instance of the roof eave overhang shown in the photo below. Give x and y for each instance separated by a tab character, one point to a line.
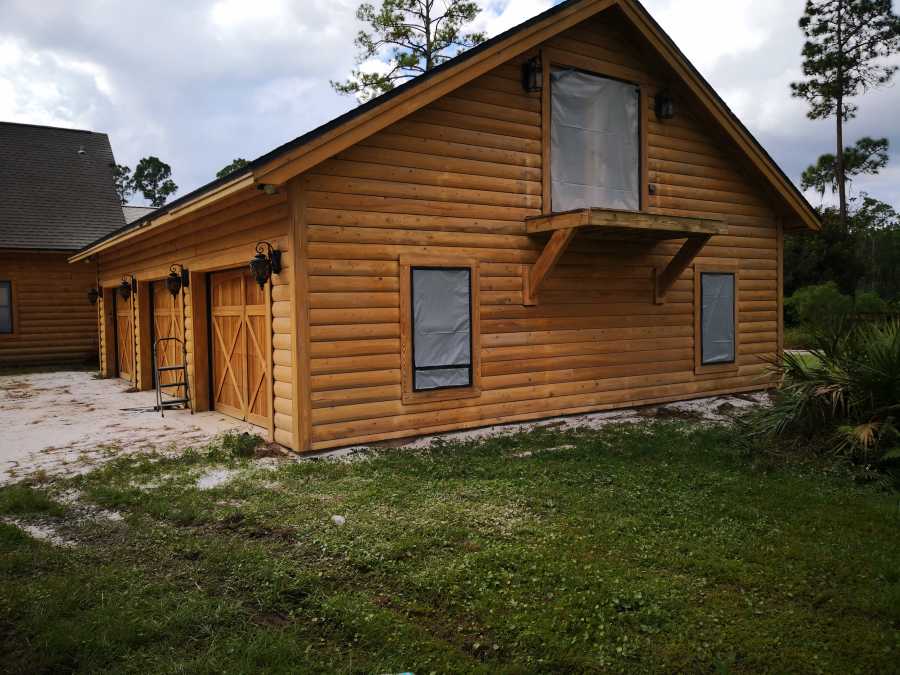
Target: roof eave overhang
149	223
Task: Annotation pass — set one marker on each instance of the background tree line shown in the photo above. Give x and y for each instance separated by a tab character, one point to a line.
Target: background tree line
844	56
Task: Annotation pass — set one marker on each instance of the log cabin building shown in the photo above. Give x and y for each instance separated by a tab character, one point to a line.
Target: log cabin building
564	219
56	196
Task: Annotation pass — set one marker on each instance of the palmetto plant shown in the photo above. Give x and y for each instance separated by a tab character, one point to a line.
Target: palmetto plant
843	397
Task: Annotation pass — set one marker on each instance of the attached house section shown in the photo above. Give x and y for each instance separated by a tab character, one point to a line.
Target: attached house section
56	196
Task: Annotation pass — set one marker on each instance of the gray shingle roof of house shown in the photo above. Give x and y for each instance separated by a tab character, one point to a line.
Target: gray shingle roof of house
56	188
132	213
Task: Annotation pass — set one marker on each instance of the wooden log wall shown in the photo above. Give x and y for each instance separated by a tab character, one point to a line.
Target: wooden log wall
222	236
53	321
458	178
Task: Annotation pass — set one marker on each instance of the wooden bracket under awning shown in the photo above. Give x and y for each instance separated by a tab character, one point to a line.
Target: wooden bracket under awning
653	227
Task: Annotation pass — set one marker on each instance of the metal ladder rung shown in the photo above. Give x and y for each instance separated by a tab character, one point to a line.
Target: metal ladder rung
164	404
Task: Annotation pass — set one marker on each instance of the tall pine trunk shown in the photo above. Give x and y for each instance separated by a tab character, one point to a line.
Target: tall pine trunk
839	111
839	164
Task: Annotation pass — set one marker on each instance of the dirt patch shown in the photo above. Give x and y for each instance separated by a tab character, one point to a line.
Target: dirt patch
215	478
41	531
667	413
68	422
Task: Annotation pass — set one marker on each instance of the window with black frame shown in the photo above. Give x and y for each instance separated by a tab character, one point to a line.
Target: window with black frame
441	327
6	307
717	318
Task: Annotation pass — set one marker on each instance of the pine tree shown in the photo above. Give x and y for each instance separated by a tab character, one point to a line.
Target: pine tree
236	165
846	42
152	178
419	34
867	158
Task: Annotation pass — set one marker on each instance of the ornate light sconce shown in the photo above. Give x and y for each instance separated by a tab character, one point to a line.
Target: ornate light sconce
178	278
265	263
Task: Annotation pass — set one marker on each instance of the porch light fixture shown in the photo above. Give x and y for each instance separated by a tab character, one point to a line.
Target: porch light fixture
268	188
93	296
532	75
265	263
178	278
126	287
664	106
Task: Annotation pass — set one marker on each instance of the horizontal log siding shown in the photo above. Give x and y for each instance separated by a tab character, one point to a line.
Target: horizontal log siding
53	320
221	237
458	178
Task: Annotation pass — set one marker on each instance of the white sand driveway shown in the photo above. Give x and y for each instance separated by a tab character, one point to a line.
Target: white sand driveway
69	421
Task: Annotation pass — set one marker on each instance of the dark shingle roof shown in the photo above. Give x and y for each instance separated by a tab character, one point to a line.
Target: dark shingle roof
56	186
132	213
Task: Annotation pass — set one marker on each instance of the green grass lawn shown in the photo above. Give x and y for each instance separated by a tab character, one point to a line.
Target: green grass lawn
651	548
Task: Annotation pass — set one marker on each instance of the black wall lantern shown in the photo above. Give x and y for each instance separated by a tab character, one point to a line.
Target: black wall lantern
532	75
665	106
126	288
93	296
178	278
265	263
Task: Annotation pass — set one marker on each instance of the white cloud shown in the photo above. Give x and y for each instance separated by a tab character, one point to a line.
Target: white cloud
500	15
708	30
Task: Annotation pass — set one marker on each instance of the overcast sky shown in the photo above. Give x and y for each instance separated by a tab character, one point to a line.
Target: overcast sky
201	82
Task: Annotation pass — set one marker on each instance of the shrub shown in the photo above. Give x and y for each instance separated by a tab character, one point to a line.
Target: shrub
796	338
869	302
822	311
824	314
845	399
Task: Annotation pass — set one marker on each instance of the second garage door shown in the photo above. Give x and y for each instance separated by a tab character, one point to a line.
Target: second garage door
240	344
167	323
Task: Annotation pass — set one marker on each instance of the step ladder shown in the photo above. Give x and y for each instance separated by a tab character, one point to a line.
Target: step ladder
162	402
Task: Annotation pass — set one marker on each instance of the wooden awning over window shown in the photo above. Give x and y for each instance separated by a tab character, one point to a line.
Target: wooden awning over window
603	223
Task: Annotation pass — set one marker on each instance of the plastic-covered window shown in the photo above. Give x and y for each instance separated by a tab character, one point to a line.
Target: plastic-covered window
6	319
717	317
594	142
441	327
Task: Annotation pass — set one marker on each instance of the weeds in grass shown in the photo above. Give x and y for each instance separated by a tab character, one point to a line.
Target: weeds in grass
18	500
236	445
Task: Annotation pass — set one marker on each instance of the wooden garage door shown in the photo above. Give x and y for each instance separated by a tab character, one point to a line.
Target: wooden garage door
167	322
240	345
124	336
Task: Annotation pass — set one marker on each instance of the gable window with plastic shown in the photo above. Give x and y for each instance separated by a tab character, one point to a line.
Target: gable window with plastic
716	318
595	142
439	333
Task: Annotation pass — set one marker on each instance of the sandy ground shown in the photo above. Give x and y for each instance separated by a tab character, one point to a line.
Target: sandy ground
64	423
68	422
